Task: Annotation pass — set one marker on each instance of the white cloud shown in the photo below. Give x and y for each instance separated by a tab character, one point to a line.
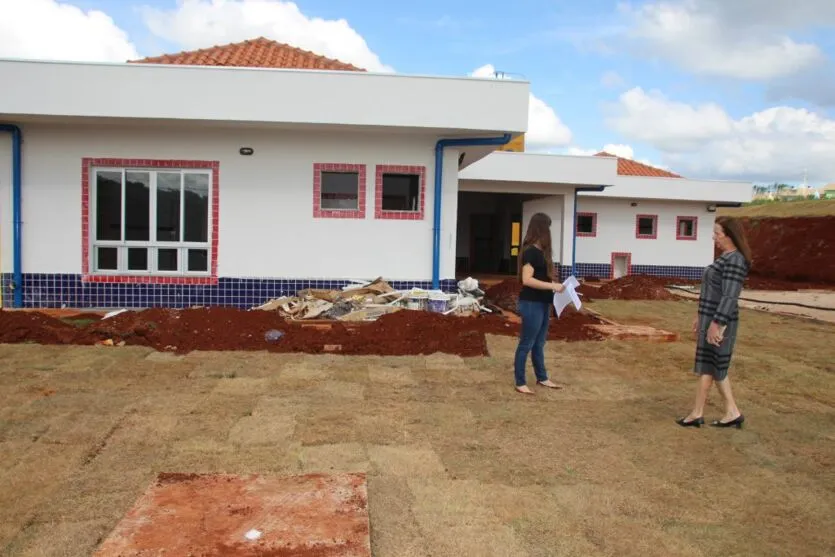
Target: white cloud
617	149
669	125
623	151
46	29
202	23
612	80
745	39
776	144
545	129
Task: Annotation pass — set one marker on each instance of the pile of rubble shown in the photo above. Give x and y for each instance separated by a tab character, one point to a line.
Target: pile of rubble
368	301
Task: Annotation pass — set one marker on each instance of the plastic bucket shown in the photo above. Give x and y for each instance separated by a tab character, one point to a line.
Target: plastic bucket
438	303
417	300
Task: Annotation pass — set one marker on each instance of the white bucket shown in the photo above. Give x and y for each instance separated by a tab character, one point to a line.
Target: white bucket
417	300
438	302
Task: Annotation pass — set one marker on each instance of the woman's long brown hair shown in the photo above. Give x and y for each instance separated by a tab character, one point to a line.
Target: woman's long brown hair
539	234
733	230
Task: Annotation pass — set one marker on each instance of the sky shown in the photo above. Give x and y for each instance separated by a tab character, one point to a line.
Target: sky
712	89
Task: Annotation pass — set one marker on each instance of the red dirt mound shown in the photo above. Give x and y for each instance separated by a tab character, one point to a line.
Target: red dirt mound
504	294
25	326
798	249
633	287
218	328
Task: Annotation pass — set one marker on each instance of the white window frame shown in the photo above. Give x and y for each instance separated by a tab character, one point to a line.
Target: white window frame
322	207
152	244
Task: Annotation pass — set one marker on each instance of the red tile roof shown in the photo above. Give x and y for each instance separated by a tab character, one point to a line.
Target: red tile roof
628	167
257	53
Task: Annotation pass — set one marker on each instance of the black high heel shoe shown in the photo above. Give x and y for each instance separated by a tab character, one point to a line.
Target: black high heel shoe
692	423
737	423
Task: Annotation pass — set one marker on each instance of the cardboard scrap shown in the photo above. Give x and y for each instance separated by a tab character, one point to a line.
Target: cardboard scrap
367	301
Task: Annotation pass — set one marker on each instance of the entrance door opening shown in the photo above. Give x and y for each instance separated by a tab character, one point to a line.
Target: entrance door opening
620	265
489	233
491	227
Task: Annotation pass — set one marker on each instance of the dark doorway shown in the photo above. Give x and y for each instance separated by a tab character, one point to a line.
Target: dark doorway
484	235
489	233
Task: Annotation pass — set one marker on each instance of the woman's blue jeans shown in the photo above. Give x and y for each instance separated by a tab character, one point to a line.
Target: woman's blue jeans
535	318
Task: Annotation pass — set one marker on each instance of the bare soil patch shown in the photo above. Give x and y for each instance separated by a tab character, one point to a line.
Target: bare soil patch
457	462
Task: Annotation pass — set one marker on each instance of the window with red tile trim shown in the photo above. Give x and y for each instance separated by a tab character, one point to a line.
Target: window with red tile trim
625	255
640	223
586	225
682	225
334	189
138	244
406	179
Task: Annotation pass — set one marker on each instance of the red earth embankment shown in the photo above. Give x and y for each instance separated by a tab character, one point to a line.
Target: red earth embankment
796	249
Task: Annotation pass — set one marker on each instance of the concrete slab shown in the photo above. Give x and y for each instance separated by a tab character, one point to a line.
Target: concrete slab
190	514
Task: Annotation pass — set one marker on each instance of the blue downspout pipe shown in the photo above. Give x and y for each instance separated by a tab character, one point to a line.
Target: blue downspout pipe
574	226
439	178
17	281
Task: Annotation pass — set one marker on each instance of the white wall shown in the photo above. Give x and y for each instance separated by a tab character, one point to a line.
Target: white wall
267	227
6	258
616	232
553	207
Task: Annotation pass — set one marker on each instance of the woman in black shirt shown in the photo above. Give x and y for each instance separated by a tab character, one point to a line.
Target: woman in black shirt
536	273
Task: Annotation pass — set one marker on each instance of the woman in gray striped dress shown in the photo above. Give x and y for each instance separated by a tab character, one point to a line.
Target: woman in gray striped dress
717	322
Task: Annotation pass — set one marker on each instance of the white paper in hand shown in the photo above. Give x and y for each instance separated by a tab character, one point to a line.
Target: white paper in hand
567	296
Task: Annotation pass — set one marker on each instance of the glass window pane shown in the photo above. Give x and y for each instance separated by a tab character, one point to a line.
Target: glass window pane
340	190
167	259
137	259
108	205
400	192
646	226
107	259
198	260
168	206
137	206
196	187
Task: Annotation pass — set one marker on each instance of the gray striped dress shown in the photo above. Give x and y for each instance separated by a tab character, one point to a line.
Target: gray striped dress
721	285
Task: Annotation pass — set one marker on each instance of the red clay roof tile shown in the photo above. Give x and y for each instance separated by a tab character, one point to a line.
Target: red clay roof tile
628	167
257	53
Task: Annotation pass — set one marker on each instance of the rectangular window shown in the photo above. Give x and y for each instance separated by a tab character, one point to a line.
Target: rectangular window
338	191
646	227
586	225
687	228
151	222
400	192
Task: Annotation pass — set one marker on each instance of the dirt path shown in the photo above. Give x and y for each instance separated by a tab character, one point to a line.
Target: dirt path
759	300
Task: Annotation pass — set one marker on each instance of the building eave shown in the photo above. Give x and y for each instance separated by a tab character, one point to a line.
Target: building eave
263	95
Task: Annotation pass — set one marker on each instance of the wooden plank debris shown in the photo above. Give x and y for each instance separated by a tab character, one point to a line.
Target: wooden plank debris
635	332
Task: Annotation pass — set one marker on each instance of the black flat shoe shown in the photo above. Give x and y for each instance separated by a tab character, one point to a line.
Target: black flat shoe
737	423
692	423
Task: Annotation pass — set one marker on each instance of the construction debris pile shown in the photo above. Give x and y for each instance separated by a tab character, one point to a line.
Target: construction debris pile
368	301
224	328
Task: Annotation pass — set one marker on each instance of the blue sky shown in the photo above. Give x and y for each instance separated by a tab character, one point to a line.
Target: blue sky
709	88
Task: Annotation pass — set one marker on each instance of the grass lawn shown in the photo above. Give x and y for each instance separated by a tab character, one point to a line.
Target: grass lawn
806	208
458	463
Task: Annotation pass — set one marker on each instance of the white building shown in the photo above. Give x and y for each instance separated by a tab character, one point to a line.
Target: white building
173	182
